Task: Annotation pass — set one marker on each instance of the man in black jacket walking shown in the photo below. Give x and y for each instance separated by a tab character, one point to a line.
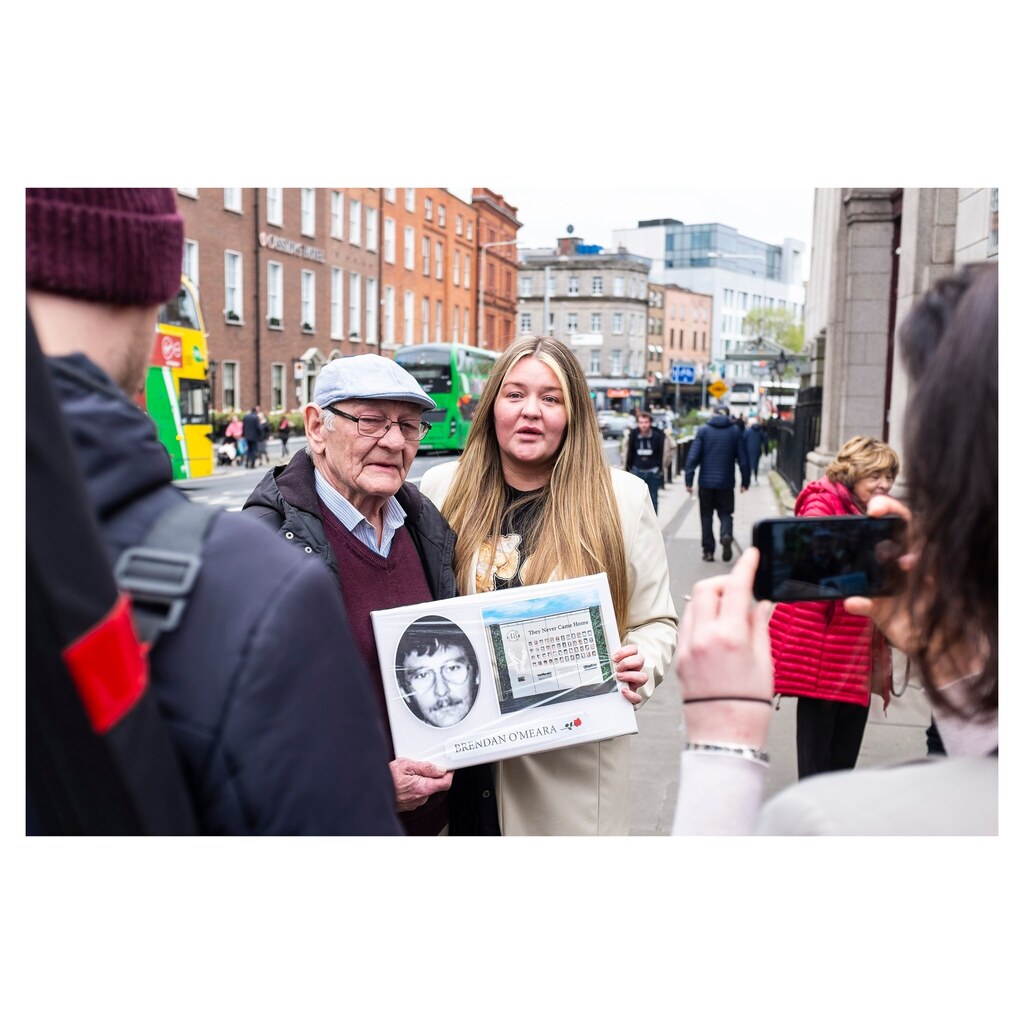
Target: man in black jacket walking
717	449
645	451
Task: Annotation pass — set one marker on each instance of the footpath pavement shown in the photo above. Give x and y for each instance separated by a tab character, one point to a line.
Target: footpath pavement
655	749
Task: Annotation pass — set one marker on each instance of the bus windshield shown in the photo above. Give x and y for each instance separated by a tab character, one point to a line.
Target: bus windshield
454	377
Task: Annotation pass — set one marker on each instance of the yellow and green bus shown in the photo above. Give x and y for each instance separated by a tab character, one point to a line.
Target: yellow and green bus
177	393
453	376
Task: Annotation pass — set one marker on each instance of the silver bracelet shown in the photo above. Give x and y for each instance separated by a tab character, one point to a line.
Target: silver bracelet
735	749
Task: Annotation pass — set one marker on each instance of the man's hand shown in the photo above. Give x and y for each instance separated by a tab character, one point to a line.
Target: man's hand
415	781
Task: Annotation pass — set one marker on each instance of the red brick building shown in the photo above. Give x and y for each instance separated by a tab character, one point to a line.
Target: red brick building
290	278
496	244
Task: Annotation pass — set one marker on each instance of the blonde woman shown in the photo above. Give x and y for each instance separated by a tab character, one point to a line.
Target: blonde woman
533	499
827	658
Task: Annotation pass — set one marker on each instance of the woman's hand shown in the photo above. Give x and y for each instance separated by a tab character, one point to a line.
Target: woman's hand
724	651
629	669
890	614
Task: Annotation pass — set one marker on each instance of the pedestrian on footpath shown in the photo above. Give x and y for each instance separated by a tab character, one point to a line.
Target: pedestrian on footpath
945	617
259	685
830	660
251	436
717	449
645	452
284	431
757	443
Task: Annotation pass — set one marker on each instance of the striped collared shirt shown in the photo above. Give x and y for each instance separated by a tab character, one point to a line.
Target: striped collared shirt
355	522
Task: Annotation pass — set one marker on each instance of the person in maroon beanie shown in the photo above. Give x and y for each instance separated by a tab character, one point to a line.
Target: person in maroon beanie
273	736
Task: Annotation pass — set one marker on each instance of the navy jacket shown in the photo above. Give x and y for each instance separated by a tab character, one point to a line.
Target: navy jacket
717	449
261	687
756	444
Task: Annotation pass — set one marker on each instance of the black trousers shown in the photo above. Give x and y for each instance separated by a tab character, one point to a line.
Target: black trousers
715	499
828	735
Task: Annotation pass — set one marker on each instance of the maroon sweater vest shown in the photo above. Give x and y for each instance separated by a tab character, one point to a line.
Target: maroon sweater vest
373	583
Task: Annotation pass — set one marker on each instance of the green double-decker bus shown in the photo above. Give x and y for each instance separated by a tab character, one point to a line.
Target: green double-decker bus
453	376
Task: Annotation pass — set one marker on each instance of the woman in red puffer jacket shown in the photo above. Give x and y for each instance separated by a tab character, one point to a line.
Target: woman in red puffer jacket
822	654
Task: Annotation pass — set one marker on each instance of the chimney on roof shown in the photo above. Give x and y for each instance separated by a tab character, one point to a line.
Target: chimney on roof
567	246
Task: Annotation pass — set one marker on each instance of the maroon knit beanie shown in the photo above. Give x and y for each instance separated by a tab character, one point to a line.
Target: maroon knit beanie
118	245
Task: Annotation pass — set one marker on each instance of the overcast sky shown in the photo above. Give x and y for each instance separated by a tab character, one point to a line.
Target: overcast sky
767	214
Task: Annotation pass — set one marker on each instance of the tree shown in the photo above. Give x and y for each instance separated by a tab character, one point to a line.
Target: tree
777	325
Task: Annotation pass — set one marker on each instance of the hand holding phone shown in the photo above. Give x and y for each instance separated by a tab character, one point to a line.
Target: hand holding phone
828	558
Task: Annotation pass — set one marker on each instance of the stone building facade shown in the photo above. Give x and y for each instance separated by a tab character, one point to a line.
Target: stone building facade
874	252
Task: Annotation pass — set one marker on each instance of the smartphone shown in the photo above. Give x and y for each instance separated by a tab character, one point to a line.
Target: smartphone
827	558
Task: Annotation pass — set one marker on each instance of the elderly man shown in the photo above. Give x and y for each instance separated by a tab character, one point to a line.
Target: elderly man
344	498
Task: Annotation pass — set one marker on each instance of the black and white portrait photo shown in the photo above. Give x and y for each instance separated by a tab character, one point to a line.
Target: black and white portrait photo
437	670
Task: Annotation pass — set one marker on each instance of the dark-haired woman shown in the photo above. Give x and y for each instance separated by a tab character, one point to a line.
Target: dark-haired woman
945	617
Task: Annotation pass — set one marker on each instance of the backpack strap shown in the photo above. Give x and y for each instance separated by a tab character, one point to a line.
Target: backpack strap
161	570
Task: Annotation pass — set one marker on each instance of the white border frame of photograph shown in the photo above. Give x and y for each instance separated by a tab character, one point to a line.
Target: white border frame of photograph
544	673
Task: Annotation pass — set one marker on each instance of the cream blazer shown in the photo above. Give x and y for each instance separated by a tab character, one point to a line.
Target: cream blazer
584	789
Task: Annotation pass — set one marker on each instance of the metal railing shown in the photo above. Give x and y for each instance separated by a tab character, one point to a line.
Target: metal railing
796	438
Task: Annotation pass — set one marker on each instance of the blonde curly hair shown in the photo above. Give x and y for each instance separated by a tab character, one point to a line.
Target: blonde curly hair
861	457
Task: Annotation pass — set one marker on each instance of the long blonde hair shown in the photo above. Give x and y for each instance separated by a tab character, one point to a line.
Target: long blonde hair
578	532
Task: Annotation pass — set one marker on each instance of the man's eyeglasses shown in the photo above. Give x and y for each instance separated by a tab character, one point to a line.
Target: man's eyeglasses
420	680
378	426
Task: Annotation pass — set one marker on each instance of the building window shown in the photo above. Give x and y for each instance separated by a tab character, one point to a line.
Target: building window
229	392
595	323
233	287
572	323
465	273
233	200
440	215
410	199
455	323
426	256
439	322
275	207
551	285
616	362
469	230
371	310
597	286
277	385
428	208
465	328
389	194
595	361
389	240
439	260
371	232
425	321
308	301
354	308
551	323
308	206
275	295
458	223
525	323
526	286
337	304
574	286
632	287
455	267
632	325
407	325
337	215
618	286
389	315
190	261
355	221
410	248
616	323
